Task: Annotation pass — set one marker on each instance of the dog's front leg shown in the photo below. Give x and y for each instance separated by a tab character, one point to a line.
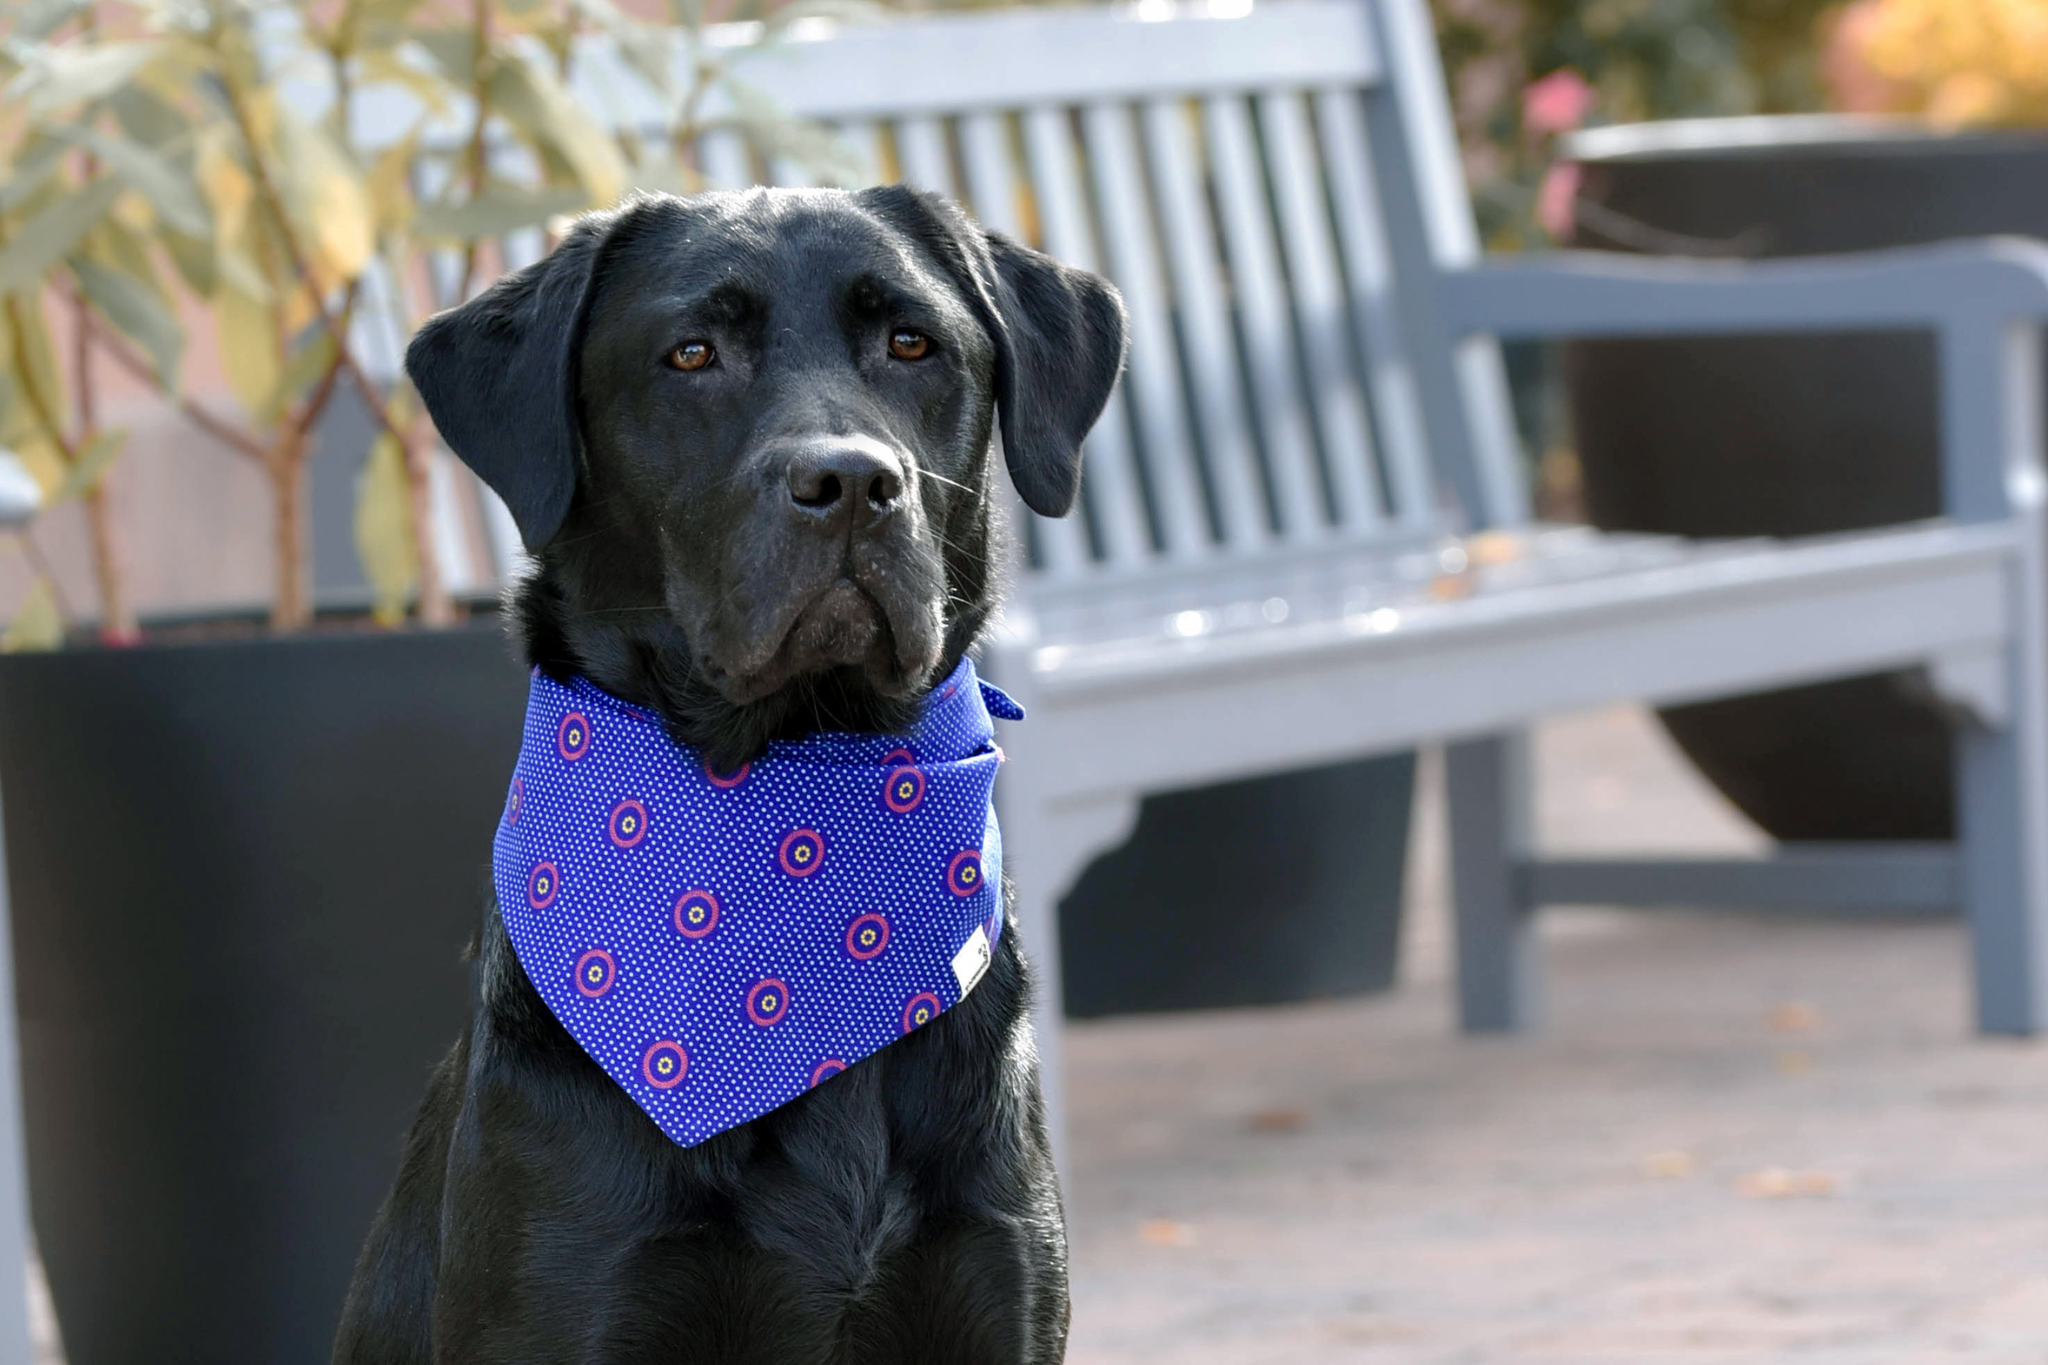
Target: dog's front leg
388	1316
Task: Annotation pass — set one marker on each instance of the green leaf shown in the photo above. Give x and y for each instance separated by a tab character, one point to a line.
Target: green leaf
40	18
42	241
452	50
384	539
497	211
323	191
135	311
238	271
306	364
195	261
526	93
144	116
248	349
92	462
778	133
29	171
78	73
37	624
171	192
35	359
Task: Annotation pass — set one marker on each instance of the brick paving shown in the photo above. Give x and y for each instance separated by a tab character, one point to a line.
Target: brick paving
1738	1139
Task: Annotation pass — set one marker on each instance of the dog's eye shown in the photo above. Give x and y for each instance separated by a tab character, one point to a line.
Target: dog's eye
908	345
691	355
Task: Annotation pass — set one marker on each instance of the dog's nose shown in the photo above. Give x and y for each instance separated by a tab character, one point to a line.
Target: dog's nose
856	481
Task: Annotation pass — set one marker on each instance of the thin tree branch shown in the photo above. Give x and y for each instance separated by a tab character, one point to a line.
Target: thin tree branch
480	72
40	562
219	427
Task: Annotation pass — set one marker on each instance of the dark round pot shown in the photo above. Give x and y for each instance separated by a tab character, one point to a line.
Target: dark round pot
1249	893
1787	436
243	879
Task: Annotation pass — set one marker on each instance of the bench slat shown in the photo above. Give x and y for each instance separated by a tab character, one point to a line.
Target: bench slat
1110	485
1320	309
921	142
957	64
1153	379
863	138
1218	388
992	195
722	153
1340	117
1268	330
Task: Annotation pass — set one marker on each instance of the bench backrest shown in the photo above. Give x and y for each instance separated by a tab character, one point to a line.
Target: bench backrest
1272	186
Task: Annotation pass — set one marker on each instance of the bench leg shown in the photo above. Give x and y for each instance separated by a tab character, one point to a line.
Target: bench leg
1044	852
2002	846
1499	984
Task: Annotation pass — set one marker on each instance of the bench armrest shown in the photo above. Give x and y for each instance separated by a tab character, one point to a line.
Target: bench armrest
1984	299
1963	284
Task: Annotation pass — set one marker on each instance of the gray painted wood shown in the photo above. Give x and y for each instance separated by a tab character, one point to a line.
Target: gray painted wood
1270	352
1320	310
1499	981
1203	294
1152	381
1858	879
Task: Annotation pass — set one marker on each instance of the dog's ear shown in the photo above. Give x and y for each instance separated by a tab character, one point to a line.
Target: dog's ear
1059	349
499	376
1059	338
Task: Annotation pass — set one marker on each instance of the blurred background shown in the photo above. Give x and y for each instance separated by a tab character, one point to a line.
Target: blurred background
257	705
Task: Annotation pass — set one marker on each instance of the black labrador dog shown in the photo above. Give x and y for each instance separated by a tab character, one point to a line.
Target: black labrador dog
748	438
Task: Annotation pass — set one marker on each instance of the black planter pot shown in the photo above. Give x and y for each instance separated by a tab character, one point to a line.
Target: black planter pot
243	877
1789	435
1250	893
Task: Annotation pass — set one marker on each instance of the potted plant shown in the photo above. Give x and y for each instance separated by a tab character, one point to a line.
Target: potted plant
1939	134
243	870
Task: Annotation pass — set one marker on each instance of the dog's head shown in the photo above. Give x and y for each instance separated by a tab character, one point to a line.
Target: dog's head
747	439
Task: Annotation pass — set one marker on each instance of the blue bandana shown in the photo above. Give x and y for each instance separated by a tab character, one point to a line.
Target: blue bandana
721	942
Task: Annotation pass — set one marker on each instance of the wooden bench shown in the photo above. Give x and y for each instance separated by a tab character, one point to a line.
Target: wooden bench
1305	533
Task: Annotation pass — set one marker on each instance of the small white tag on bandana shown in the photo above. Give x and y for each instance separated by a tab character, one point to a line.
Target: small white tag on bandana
971	961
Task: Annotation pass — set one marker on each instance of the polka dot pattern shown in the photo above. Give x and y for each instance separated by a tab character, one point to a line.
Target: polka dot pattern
721	942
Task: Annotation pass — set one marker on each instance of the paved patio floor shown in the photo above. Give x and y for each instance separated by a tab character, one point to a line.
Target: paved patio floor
1738	1139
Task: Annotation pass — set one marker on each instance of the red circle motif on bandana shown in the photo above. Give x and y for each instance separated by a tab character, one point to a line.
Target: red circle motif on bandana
767	1002
516	800
963	874
903	789
897	758
628	825
802	852
921	1010
572	736
867	936
826	1070
696	913
543	884
665	1064
595	973
731	779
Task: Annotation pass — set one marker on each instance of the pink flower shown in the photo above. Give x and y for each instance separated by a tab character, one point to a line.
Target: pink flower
1558	103
1555	199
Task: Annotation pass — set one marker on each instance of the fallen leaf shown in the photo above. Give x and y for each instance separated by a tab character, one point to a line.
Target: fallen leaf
1776	1182
1278	1121
1794	1016
1164	1232
1673	1165
1494	547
